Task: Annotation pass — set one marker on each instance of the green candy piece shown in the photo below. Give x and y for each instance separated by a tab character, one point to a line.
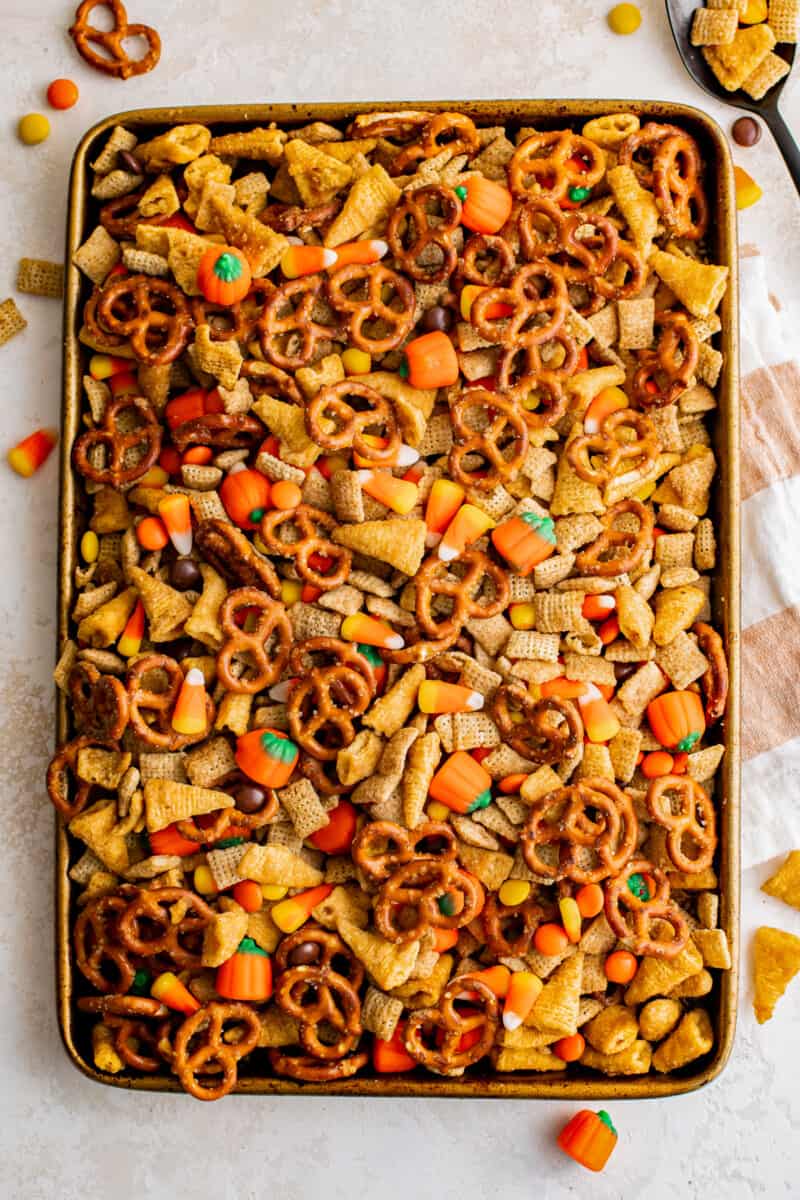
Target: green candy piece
278	747
482	801
141	983
248	946
461	192
606	1119
446	905
226	842
577	194
637	885
542	525
228	268
370	654
687	743
402	370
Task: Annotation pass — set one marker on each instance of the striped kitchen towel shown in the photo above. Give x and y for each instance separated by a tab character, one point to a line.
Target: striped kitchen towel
770	569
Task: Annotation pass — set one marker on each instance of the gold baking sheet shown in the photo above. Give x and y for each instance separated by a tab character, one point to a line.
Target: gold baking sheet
572	1085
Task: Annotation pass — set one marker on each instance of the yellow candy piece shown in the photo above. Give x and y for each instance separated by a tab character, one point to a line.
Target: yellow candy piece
356	362
645	492
523	616
747	190
273	891
514	891
437	811
90	546
33	128
570	918
291	589
156	477
204	881
755	13
467	298
624	19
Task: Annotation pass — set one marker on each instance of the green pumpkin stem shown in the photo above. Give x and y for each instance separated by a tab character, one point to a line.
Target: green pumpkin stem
228	268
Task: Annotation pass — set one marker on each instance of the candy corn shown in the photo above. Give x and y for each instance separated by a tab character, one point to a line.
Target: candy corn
437	697
103	366
406	456
496	979
493	311
610	400
397	494
608	632
371	250
176	514
29	454
170	991
379	668
444	500
189	715
599	721
523	992
124	384
132	634
307	260
597	608
372	632
570	917
469	523
290	914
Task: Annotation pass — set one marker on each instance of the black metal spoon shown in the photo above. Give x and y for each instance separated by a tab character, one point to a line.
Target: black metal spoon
679	13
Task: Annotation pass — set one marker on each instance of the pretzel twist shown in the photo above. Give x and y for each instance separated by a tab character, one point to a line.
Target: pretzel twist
536	290
412	232
435	578
408	903
621	901
501	445
335	405
232	554
615	551
549	164
216	1056
265	666
591	823
452	1052
382	846
161	704
308	521
116	61
626	438
373	293
98	952
668	370
682	807
146	437
152	313
550	728
288	333
146	928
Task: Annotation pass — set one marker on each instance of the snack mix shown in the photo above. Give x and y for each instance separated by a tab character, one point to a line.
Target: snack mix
393	684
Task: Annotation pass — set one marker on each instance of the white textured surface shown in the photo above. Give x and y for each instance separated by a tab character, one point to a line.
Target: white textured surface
61	1136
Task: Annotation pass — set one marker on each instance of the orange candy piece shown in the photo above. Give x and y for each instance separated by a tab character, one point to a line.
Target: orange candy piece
285	494
371	632
523	991
437	697
569	1049
176	513
621	966
444	500
151	534
432	361
133	632
590	900
550	939
62	93
397	494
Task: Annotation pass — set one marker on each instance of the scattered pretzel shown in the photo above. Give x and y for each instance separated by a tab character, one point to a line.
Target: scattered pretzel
145	927
369	296
288	332
116	61
409	901
636	932
426	217
452	1052
615	551
668	370
382	846
121	216
233	322
510	928
161	704
681	806
502	444
436	578
130	1017
591	824
715	679
536	290
265	379
98	954
265	667
545	231
625	437
677	188
446	131
99	702
538	388
153	313
550	728
224	431
549	164
322	705
352	408
311	543
234	556
119	446
487	261
62	765
216	1055
647	139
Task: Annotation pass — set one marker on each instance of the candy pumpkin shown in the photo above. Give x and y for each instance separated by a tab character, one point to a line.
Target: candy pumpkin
223	275
677	719
246	495
267	756
525	541
462	784
485	205
246	975
431	361
589	1138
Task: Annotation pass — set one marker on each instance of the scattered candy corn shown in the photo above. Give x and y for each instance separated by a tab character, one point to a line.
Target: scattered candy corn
496	979
29	454
444	500
189	715
132	634
397	494
290	914
599	721
103	366
523	992
747	190
469	523
361	628
406	456
371	250
597	608
437	697
170	991
176	514
307	260
610	400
